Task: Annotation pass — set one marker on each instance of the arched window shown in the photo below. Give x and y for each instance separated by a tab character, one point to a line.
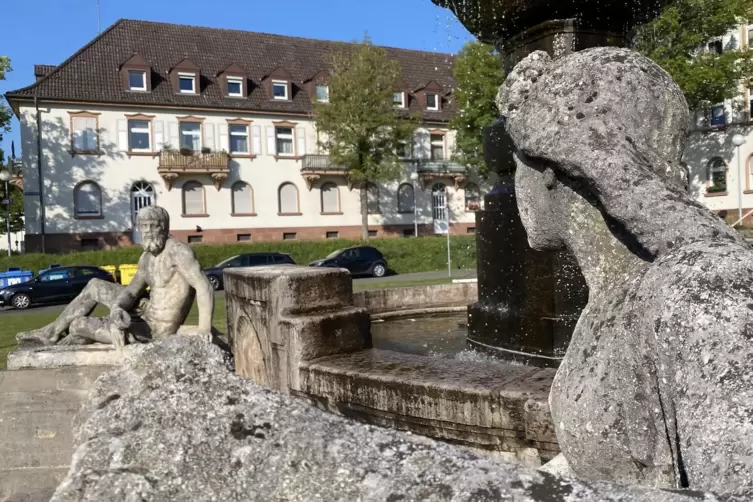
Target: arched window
716	176
288	199
243	198
330	198
372	196
193	198
472	197
405	198
87	200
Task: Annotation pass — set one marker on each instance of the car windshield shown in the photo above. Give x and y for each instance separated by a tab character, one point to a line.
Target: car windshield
333	254
225	262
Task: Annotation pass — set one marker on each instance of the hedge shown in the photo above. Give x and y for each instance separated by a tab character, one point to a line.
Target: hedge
405	255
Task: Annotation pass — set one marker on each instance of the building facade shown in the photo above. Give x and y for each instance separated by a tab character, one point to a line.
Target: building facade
217	126
721	174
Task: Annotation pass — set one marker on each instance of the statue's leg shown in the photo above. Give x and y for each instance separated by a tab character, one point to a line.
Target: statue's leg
86	330
96	291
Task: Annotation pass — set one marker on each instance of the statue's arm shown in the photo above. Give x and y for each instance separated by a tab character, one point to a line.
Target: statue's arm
189	267
134	291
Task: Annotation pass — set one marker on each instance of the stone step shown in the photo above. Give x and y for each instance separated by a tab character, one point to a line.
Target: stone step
37	408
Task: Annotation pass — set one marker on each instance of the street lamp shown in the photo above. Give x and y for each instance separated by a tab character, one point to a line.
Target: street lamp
413	178
738	140
5	176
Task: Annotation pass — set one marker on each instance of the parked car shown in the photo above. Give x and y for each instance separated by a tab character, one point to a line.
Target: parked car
214	274
359	260
57	285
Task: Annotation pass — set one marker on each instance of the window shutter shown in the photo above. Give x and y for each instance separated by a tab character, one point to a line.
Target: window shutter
271	148
288	198
300	136
123	135
173	138
242	198
209	137
159	135
193	198
330	198
224	142
256	130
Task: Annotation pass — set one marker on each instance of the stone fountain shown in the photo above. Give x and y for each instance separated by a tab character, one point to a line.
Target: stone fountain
529	301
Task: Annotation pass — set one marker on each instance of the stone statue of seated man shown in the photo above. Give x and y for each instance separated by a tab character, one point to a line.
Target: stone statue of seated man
656	387
174	277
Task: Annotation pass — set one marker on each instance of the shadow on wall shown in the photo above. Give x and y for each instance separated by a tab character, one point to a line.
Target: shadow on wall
106	208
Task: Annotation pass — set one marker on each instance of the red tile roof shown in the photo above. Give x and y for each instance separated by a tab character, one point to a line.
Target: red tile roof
93	73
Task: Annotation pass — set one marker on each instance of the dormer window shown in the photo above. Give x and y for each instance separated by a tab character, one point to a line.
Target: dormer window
398	99
187	83
235	87
279	89
432	101
322	93
136	80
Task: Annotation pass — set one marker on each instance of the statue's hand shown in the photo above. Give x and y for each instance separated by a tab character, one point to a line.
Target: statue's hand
120	318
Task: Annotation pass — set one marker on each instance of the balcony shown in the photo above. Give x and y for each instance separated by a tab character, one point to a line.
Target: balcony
316	165
430	170
174	163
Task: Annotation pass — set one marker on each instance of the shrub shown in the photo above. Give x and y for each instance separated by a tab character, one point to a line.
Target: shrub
423	254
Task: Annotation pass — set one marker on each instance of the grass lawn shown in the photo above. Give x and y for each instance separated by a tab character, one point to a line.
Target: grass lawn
15	323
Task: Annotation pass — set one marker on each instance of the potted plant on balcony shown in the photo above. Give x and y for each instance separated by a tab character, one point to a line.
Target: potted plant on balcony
184	150
206	149
167	147
473	206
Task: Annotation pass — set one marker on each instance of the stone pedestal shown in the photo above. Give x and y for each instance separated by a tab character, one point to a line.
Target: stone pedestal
281	316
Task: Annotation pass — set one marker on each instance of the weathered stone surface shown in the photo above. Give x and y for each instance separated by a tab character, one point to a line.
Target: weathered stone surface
167	267
61	356
416	297
656	386
175	423
280	316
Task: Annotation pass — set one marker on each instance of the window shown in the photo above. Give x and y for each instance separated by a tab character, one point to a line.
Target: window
716	47
372	233
408	232
190	136
322	93
289	236
136	80
330	199
716	176
279	89
55	275
372	199
139	136
288	199
87	200
84	134
284	140
235	86
88	245
470	230
405	199
243	237
193	199
195	239
432	101
243	198
187	83
750	103
402	149
333	235
437	147
750	36
717	115
239	138
398	99
472	197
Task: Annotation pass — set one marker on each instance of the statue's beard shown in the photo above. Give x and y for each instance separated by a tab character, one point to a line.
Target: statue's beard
154	244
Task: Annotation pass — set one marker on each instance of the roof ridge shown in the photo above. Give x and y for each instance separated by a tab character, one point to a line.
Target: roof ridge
277	35
68	60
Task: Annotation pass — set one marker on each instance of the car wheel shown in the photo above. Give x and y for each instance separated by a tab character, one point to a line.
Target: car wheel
21	301
379	270
214	281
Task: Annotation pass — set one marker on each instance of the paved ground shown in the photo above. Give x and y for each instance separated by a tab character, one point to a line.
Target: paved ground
370	282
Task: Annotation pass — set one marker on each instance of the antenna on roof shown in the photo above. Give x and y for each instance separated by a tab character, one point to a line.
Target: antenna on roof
99	31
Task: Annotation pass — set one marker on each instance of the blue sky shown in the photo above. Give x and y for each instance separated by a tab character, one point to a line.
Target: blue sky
60	27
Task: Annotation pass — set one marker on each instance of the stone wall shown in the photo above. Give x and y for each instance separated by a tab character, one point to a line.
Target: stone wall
411	297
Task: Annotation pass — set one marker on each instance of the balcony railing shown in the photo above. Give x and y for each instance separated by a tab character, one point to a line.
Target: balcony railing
318	162
174	163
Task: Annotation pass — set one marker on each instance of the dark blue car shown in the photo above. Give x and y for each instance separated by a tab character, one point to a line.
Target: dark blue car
57	285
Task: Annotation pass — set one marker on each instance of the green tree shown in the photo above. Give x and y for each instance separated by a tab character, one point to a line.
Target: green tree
359	127
478	72
5	113
675	41
15	194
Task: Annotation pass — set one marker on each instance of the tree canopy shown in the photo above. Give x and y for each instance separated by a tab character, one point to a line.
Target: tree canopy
15	194
676	41
359	126
479	74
